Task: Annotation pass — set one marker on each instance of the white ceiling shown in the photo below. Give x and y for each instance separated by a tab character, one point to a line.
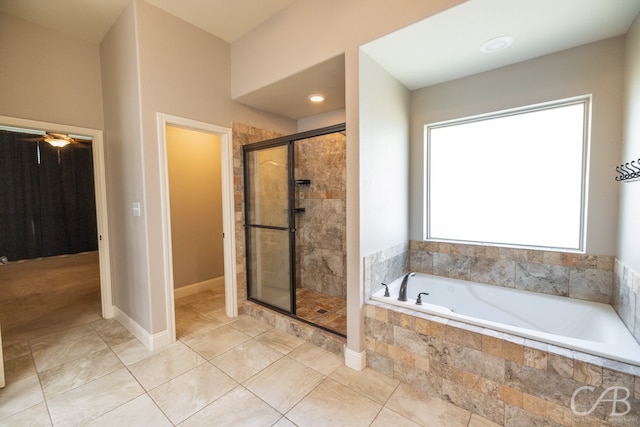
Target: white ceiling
447	46
440	48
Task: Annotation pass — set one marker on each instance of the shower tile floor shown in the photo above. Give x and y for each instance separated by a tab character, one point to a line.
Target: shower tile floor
220	371
323	310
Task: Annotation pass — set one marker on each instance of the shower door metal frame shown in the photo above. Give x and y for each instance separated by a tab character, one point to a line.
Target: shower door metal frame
288	140
290	222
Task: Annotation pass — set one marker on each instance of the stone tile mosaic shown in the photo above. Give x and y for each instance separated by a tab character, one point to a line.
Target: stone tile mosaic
582	276
451	265
542	278
500	272
474	400
384	267
591	284
502	379
626	298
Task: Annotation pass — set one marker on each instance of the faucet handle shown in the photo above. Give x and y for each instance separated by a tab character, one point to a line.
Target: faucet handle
386	290
419	300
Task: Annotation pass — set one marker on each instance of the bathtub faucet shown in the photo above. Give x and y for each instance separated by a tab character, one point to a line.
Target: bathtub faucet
403	287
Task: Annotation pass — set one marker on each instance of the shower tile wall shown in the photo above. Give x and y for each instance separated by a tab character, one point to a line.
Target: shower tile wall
320	240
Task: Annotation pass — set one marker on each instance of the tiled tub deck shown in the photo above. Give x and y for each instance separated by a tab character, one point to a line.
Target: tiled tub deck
508	379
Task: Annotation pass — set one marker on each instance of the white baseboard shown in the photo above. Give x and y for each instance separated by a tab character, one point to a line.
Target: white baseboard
150	341
194	288
355	360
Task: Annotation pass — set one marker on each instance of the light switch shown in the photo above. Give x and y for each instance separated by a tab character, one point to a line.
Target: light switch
136	208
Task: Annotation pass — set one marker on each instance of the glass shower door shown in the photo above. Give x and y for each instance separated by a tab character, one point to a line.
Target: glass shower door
268	226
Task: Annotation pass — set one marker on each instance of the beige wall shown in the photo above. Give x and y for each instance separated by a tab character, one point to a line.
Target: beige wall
629	231
384	172
48	76
195	189
184	72
124	170
596	68
153	62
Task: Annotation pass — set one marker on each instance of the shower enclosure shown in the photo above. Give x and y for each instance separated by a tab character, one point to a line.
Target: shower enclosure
295	217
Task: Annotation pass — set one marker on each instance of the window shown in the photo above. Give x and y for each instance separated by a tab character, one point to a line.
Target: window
514	178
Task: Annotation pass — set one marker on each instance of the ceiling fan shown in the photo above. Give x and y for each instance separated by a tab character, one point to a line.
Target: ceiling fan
60	140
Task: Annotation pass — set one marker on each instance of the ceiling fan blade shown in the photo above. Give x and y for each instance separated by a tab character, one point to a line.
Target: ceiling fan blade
58	135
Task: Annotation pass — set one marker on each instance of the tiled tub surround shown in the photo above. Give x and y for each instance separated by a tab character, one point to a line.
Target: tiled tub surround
508	379
585	326
626	297
580	276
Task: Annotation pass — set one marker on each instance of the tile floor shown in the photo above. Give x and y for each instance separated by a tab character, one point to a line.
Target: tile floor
220	372
320	309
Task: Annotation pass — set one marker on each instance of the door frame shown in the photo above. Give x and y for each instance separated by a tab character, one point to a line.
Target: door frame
100	189
228	213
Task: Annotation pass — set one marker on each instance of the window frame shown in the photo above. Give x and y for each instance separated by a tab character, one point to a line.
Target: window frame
585	100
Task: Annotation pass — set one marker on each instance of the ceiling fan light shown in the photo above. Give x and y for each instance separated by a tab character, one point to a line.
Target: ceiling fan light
56	142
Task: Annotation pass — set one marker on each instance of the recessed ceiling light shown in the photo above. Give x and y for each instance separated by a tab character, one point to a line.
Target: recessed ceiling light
316	98
496	44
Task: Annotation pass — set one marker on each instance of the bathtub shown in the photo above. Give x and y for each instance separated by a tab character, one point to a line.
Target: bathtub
585	326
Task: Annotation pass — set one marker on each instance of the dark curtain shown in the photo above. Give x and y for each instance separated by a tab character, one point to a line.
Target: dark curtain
47	202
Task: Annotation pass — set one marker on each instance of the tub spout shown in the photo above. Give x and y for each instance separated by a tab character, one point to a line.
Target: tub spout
402	296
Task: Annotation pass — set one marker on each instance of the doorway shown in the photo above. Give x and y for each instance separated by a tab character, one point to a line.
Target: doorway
166	125
100	259
193	160
295	225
